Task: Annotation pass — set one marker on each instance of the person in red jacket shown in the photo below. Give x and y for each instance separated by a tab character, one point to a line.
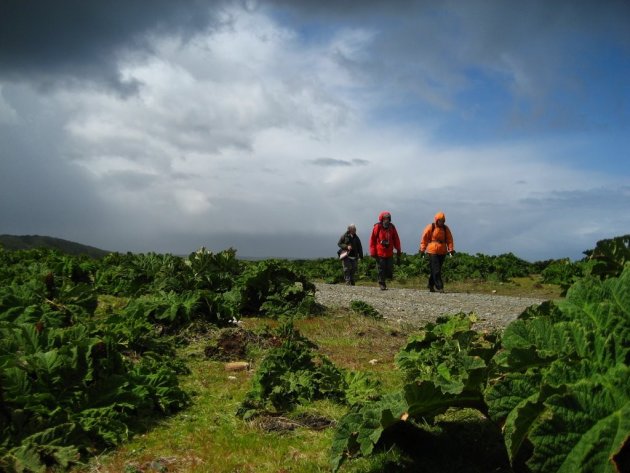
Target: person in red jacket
437	241
383	241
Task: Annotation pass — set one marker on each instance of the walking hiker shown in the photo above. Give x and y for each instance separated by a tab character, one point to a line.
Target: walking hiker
383	241
437	241
350	252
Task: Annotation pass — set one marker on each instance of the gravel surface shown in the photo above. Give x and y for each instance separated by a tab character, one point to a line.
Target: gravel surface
416	307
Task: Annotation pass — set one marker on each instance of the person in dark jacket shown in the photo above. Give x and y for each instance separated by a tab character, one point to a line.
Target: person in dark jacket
437	242
383	241
350	252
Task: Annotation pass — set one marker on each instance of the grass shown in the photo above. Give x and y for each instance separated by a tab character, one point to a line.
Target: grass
529	286
209	437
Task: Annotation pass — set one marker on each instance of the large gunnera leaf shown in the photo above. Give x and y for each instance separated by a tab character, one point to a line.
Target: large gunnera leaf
586	427
563	390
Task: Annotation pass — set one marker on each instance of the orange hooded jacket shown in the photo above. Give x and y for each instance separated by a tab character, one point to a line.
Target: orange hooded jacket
380	235
437	240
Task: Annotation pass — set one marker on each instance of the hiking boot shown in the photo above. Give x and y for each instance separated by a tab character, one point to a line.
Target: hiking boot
382	286
431	289
348	283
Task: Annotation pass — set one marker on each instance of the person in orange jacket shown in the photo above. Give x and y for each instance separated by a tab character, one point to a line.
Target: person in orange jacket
437	241
383	241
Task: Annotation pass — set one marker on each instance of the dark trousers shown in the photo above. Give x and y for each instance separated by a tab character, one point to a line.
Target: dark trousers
349	269
385	268
435	265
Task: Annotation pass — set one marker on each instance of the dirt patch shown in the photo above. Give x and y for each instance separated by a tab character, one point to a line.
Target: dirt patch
314	421
273	423
232	344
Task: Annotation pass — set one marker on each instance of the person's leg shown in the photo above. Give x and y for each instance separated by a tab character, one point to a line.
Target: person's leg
389	268
434	269
431	283
353	270
436	263
380	266
347	270
442	259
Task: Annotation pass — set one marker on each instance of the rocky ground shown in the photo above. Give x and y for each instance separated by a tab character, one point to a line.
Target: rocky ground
416	307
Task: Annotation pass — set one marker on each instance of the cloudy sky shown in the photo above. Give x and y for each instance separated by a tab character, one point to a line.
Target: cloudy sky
269	126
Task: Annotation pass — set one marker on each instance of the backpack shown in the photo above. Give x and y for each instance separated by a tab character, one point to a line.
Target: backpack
445	234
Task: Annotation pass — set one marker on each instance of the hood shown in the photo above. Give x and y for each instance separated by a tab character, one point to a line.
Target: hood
438	216
382	215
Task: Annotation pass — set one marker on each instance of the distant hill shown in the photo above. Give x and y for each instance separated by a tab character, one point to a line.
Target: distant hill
28	242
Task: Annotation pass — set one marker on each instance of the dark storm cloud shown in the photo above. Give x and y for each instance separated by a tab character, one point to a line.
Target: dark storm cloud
493	17
39	192
66	40
538	53
331	162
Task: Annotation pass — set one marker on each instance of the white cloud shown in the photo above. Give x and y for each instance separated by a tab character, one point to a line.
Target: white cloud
192	201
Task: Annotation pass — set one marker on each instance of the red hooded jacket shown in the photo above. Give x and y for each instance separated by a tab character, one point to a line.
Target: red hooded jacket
380	236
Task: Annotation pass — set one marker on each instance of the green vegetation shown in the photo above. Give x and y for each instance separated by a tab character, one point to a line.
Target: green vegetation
607	259
558	382
128	352
292	374
365	309
74	380
461	266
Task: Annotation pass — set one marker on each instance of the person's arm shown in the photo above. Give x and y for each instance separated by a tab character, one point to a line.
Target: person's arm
342	242
359	248
373	238
397	242
450	244
424	240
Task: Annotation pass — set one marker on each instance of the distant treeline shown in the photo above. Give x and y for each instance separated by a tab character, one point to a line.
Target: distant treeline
30	242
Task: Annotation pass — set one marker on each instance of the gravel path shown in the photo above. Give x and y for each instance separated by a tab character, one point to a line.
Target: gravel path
416	307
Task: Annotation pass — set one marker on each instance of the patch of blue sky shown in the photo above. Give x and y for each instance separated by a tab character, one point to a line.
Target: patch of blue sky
594	111
311	30
605	92
484	115
479	113
601	152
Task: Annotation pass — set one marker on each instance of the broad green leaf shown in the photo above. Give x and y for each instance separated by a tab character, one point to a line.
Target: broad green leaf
376	418
587	425
524	417
518	423
360	430
344	441
26	458
425	399
508	392
548	341
620	291
15	382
